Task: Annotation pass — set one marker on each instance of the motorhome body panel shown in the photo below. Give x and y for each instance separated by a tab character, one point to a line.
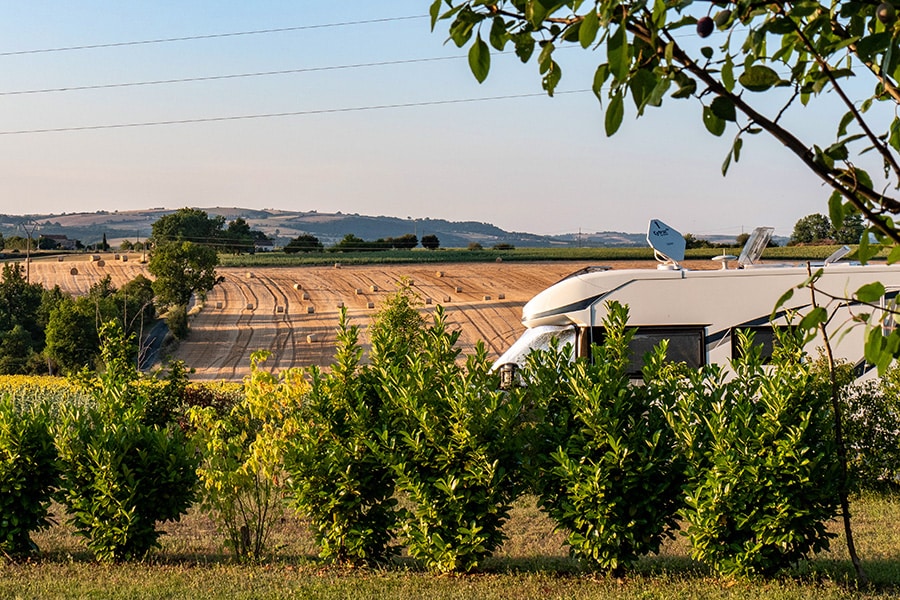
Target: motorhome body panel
715	303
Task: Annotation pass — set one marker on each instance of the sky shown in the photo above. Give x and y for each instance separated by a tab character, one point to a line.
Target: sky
379	117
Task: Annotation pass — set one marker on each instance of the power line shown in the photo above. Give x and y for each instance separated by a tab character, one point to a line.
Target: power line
299	113
209	36
104	86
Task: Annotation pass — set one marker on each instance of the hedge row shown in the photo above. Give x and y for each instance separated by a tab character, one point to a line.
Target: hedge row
744	464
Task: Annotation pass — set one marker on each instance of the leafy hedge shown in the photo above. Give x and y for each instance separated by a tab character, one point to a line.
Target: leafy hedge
414	446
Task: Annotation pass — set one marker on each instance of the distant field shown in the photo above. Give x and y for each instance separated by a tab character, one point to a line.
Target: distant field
292	310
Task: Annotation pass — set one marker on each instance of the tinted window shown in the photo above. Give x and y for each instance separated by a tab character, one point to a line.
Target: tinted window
686	344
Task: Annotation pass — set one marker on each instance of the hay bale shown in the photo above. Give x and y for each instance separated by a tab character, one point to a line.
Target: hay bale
218	305
305	295
446	299
124	258
73	271
297	286
501	296
370	305
116	257
458	289
487	297
313	337
101	263
340	305
95	257
337	265
310	310
358	291
249	306
59	258
374	288
279	309
439	274
249	275
499	259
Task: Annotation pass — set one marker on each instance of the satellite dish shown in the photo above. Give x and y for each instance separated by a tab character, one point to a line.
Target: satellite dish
666	242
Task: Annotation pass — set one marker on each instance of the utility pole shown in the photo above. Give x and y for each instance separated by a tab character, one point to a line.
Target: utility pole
30	232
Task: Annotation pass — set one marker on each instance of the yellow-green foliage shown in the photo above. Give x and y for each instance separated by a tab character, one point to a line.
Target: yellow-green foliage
241	475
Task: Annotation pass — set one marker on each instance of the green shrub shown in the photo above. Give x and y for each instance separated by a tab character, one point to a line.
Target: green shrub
241	478
120	473
605	464
763	476
871	411
28	474
337	479
455	443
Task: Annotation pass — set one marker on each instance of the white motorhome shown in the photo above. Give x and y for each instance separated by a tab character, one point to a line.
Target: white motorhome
698	311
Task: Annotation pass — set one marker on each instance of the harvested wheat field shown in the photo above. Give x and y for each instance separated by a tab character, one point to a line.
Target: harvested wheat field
293	311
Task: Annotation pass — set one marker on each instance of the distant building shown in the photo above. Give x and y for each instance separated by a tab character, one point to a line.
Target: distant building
62	241
263	246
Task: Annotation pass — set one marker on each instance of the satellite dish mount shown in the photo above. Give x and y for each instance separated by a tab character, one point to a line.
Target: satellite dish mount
667	243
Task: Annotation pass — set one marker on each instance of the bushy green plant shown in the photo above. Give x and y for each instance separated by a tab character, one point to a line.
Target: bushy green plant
763	474
241	476
455	443
28	474
120	473
871	412
337	479
605	464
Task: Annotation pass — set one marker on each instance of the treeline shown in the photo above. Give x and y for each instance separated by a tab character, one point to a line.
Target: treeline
51	332
352	243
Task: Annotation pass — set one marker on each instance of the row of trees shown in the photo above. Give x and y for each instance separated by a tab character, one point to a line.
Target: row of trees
49	331
818	229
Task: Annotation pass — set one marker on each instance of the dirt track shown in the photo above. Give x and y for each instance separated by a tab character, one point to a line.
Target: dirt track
294	311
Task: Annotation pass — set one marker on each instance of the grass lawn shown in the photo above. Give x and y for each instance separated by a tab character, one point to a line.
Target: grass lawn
532	564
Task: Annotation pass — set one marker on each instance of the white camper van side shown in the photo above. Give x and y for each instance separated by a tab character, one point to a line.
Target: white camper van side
699	312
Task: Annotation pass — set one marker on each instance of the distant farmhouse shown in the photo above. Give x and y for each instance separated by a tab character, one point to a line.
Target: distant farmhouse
62	242
263	246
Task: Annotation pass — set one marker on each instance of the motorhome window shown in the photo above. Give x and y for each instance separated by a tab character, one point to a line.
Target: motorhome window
686	345
763	336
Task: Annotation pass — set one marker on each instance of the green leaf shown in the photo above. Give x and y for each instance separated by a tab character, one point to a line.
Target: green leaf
587	33
600	77
723	108
814	318
894	255
759	78
728	73
615	112
836	207
894	138
480	59
714	124
642	84
435	12
524	46
871	292
617	54
734	153
781	302
551	77
498	35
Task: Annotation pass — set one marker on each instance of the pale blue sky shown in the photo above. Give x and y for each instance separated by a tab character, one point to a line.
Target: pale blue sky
528	164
